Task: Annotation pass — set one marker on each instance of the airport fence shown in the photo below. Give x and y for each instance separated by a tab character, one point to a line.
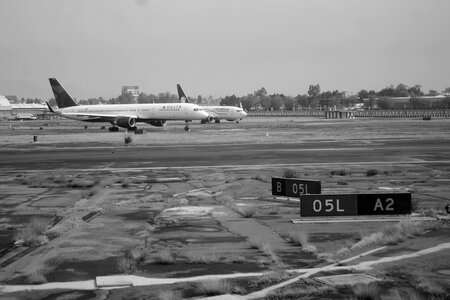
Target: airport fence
412	113
298	113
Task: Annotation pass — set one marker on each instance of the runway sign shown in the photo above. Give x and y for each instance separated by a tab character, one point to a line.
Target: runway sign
278	186
384	204
328	205
355	204
291	187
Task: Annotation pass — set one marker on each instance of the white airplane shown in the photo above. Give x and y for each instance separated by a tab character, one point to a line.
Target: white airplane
229	113
125	115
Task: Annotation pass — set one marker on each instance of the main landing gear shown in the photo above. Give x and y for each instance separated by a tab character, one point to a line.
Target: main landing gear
116	129
186	128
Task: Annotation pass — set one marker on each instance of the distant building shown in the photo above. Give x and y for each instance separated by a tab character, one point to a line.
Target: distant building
12	98
10	111
5	108
439	101
133	89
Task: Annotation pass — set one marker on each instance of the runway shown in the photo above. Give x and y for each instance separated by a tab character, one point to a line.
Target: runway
47	157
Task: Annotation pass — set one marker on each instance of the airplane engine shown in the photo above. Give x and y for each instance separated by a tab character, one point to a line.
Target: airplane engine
207	120
157	123
129	123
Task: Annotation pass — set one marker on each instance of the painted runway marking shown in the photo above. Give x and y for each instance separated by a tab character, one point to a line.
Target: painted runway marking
238	167
368	219
145	281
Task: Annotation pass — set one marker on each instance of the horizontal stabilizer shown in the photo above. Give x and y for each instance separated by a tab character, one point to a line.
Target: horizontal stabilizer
49	107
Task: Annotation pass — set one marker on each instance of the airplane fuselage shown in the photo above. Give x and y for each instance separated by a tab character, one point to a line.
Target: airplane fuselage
230	113
141	112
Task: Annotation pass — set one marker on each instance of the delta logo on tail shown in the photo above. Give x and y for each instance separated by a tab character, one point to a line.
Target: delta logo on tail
181	96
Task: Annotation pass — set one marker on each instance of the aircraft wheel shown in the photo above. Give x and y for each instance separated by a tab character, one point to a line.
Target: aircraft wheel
113	129
186	128
217	121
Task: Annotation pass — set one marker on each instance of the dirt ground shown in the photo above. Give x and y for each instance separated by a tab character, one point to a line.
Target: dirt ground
185	223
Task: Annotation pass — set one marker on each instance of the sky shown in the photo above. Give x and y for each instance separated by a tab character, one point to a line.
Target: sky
222	47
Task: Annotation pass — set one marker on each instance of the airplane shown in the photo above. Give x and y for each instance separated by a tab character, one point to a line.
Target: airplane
125	115
229	113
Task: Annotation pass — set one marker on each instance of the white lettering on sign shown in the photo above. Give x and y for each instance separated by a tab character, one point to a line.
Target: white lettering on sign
279	187
300	188
331	205
379	205
317	205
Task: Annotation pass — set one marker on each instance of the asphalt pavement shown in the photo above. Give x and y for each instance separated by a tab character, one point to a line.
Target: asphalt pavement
393	151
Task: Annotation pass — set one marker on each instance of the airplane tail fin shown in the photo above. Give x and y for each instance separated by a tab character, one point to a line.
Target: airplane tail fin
181	96
62	98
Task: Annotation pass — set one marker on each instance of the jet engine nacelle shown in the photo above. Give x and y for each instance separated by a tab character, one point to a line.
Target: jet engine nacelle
207	120
157	123
125	122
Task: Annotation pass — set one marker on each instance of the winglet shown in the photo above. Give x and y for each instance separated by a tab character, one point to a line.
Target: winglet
50	108
62	98
181	96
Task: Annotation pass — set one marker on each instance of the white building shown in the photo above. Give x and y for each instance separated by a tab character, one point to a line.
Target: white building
133	89
10	111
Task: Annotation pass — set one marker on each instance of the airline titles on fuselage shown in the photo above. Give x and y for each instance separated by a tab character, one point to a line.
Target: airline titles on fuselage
122	109
170	108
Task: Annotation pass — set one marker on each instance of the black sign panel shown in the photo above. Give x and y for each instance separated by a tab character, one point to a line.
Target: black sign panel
384	204
297	187
328	205
292	187
278	186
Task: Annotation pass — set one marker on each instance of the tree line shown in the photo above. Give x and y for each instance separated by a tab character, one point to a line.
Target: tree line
386	98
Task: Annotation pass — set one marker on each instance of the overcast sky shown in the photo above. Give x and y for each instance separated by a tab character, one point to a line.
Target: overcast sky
222	47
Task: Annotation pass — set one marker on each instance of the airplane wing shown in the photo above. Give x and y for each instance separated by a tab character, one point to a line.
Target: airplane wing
211	112
98	117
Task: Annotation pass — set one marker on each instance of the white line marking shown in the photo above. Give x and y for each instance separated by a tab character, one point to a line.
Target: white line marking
239	167
367	219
